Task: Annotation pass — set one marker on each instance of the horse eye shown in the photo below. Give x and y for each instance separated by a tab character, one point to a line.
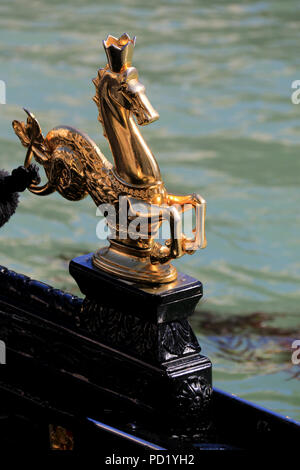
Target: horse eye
127	97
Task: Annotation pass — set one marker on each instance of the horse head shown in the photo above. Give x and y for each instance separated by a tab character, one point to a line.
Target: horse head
129	93
120	96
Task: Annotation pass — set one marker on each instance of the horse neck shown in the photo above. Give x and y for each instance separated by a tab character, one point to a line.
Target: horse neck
134	161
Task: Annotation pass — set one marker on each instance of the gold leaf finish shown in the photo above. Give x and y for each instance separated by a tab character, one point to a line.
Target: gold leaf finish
75	167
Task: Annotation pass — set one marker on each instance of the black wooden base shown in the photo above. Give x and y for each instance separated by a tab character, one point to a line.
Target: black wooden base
59	375
150	326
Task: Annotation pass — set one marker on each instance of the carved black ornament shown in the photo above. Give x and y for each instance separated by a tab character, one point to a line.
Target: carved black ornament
193	395
144	339
145	352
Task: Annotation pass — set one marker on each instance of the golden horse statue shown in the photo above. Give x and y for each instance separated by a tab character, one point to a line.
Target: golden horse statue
75	167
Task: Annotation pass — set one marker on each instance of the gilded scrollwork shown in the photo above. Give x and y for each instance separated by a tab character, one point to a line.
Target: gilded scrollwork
75	167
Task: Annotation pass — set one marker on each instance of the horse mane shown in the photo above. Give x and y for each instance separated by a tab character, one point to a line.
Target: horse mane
97	82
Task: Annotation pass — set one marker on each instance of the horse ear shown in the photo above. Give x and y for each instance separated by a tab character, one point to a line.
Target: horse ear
96	81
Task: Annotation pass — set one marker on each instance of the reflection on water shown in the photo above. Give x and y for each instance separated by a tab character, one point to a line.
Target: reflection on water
220	76
251	355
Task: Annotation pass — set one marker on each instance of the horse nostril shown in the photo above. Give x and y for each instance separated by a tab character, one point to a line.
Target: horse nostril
151	117
154	116
146	119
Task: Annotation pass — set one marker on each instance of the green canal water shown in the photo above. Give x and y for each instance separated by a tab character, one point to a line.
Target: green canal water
220	76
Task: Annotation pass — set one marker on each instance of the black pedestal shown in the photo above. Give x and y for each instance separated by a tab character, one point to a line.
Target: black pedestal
148	328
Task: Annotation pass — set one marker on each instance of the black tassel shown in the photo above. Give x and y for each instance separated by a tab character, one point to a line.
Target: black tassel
11	185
